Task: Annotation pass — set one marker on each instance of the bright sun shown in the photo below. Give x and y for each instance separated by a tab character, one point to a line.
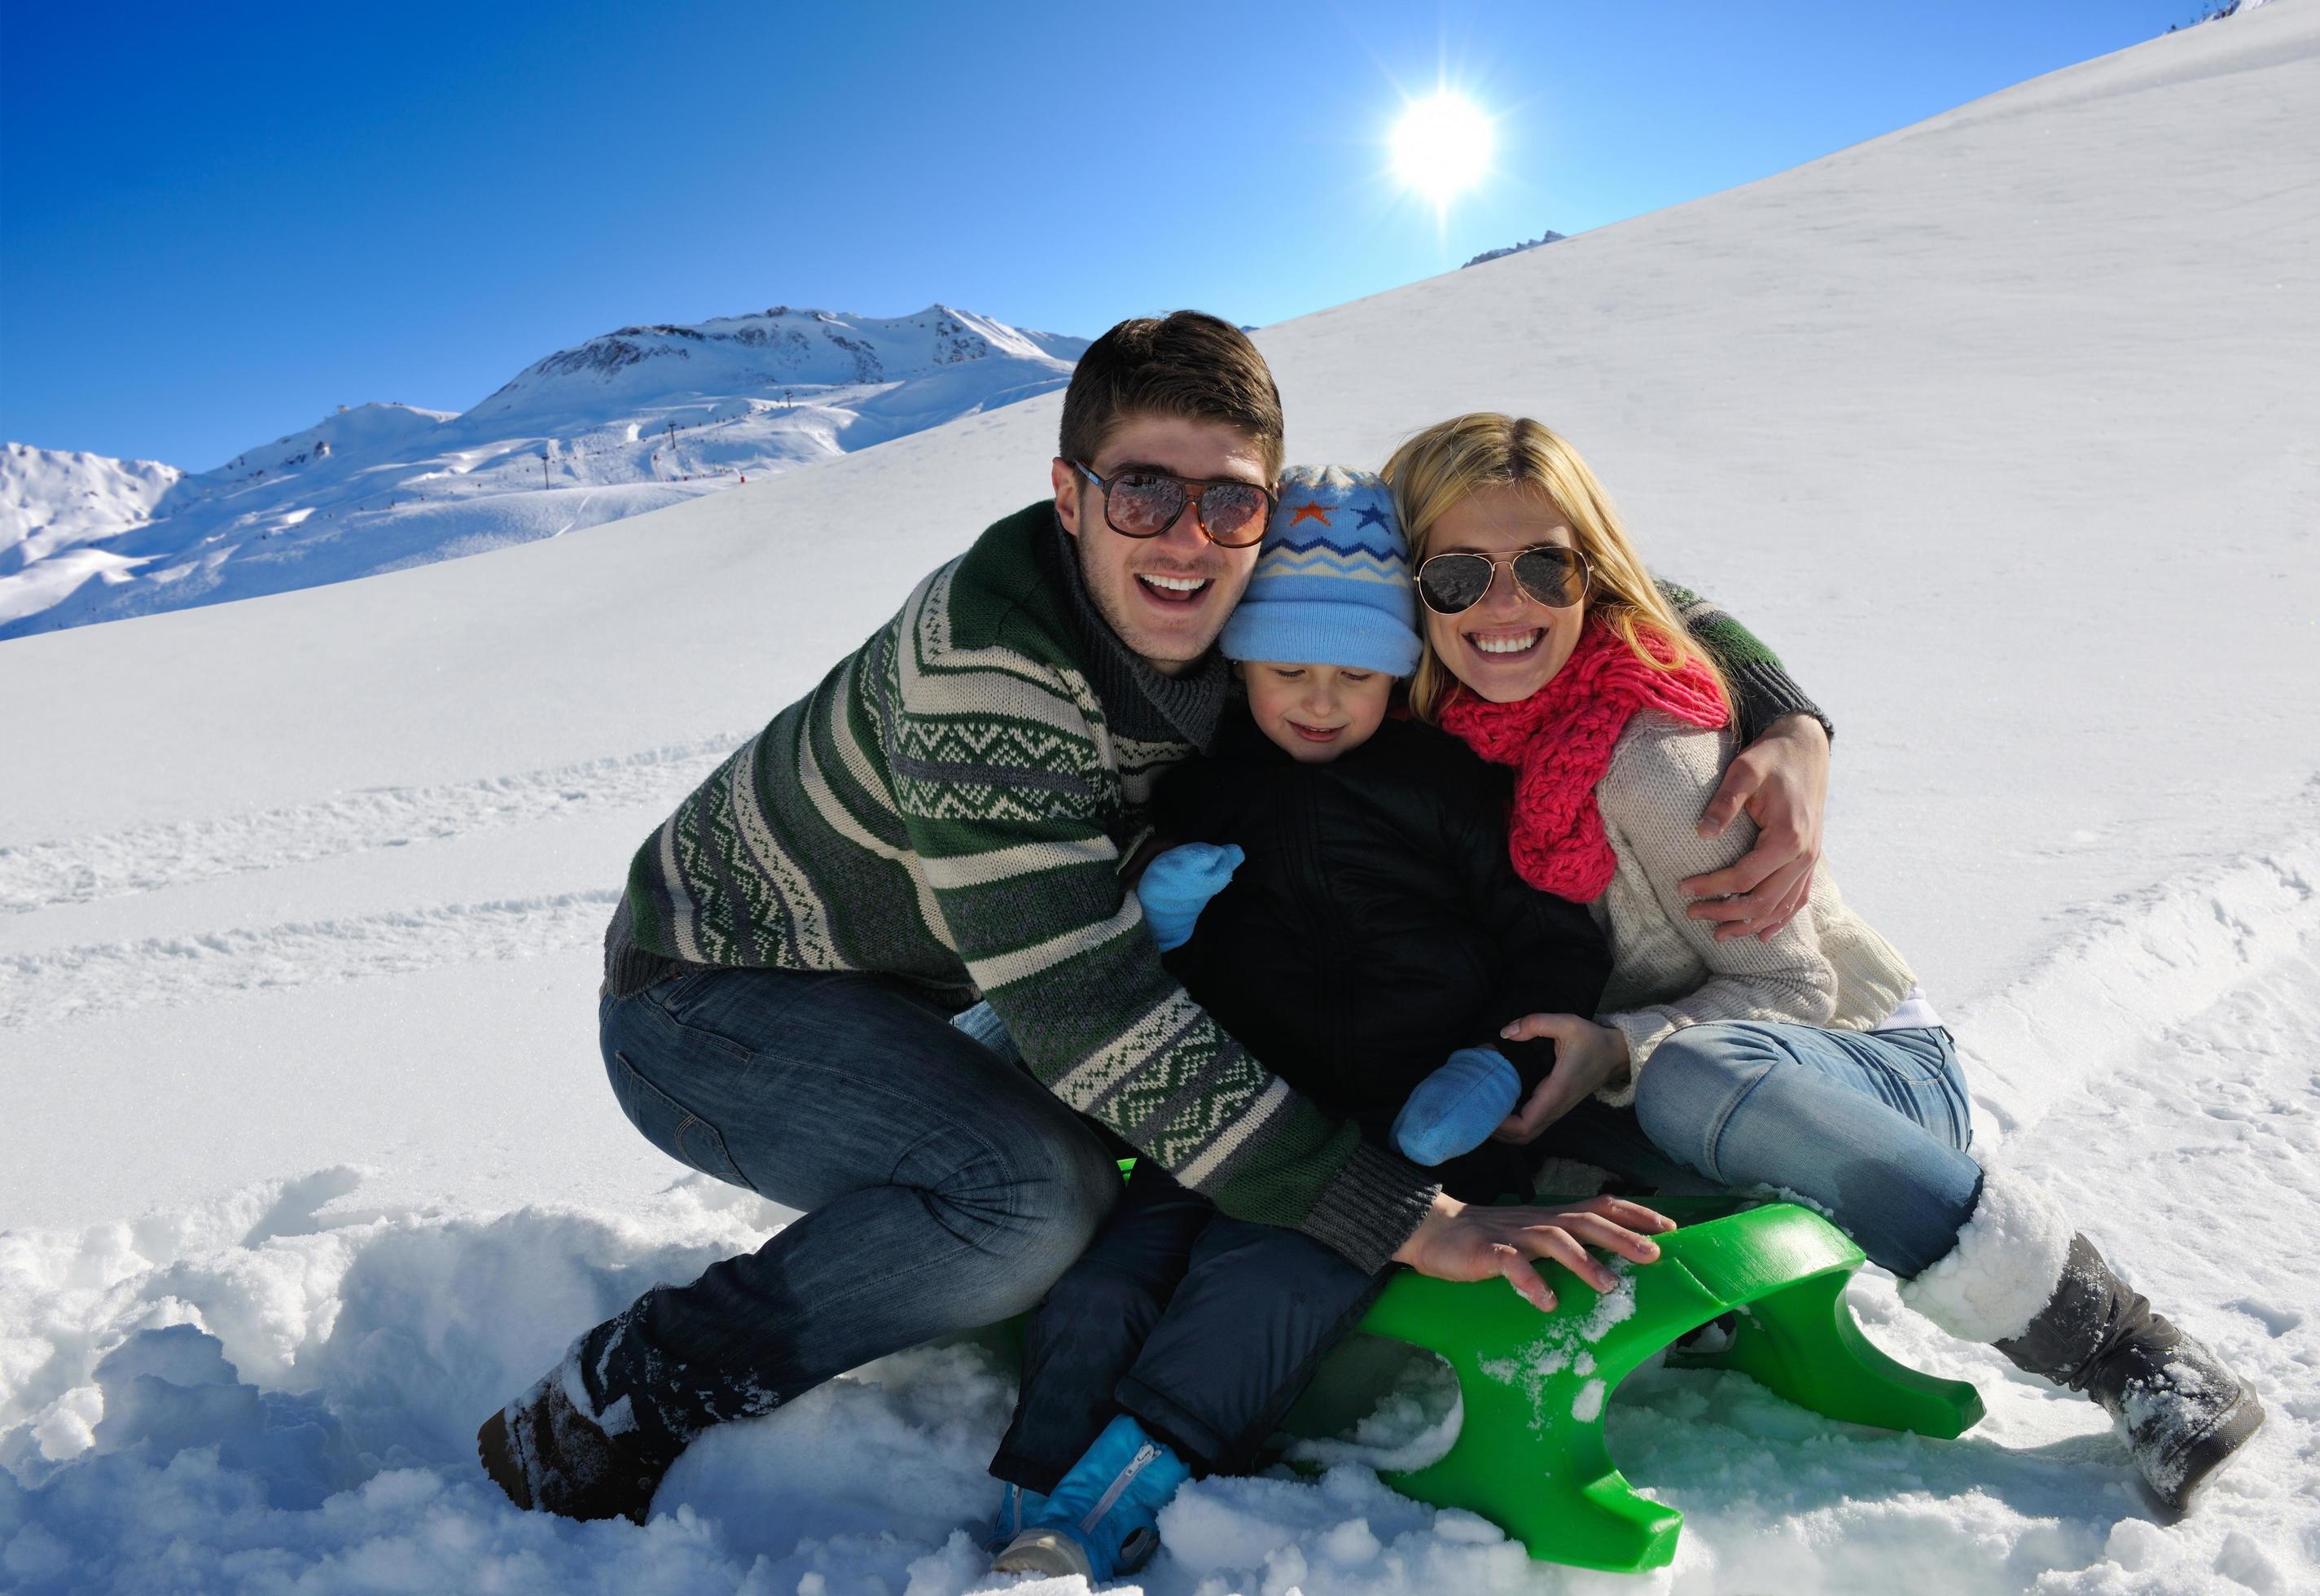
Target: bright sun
1441	146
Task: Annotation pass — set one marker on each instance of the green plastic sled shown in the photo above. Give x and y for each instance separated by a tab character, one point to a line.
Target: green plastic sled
1530	1455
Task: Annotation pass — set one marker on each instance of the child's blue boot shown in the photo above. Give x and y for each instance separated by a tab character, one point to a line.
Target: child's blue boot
1104	1518
1017	1507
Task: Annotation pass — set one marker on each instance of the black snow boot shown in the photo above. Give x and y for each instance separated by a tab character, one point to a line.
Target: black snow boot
2183	1413
551	1453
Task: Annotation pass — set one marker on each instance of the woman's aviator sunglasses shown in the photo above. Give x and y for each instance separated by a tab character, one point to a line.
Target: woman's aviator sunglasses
1548	573
1142	502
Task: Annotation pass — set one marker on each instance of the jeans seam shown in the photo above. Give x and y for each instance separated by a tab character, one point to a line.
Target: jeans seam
1714	1140
710	1039
689	1119
934	1197
1012	1176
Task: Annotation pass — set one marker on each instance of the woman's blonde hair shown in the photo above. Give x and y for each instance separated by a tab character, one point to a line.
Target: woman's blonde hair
1438	468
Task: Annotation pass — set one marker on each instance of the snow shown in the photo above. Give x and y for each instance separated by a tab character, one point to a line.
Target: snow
2002	427
630	423
56	507
2003	1269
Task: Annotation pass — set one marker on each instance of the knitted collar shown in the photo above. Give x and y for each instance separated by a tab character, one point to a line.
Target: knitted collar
1560	741
1140	703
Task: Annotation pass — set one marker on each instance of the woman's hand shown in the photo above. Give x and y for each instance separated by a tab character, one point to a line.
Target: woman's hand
1587	1056
1782	780
1456	1241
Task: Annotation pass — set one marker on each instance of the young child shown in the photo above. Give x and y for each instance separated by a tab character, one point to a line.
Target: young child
1349	915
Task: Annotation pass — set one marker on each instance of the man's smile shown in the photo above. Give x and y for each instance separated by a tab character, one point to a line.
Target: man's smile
1169	589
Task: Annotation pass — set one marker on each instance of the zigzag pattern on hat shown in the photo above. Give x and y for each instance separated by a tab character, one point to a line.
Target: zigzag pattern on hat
1290	541
1360	565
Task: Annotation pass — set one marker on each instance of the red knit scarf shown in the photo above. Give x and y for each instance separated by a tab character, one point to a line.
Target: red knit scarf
1559	740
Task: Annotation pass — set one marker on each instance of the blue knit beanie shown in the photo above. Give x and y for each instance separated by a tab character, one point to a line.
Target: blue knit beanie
1332	582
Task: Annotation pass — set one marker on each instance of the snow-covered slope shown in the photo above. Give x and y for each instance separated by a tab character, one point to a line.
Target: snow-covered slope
2002	427
634	420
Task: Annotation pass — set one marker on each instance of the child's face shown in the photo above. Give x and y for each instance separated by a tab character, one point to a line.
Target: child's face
1315	712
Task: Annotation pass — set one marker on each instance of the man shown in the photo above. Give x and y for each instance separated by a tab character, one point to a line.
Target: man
947	814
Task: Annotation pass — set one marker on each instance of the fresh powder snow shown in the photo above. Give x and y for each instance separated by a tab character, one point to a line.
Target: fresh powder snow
2002	427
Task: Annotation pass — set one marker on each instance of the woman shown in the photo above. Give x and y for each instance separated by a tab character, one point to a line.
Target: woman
1808	1059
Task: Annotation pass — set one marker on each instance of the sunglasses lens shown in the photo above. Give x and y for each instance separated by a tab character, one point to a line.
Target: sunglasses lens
1450	582
1554	576
1233	512
1143	505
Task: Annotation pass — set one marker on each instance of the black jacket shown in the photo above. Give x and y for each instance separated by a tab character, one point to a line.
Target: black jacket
1377	926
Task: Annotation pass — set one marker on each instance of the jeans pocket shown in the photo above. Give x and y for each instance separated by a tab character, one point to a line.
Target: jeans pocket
670	991
667	1123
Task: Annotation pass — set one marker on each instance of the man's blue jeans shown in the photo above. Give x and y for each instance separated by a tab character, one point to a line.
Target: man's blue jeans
942	1187
1869	1127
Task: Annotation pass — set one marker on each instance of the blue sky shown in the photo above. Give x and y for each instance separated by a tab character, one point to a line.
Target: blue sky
218	222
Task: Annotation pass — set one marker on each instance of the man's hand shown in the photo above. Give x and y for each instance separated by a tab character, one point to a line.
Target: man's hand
1782	780
1586	1057
1456	1241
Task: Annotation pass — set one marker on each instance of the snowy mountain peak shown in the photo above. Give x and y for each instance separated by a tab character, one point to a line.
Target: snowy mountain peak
782	348
369	425
52	498
632	420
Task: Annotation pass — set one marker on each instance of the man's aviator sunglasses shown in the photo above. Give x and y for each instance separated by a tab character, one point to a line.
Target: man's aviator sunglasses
1142	502
1554	575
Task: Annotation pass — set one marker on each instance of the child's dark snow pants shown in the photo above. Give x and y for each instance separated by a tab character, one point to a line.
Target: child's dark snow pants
1204	1329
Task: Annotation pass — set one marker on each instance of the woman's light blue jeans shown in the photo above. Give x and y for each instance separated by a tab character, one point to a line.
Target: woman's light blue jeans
1869	1127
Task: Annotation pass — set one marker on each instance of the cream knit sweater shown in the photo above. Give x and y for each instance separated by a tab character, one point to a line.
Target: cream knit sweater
1827	968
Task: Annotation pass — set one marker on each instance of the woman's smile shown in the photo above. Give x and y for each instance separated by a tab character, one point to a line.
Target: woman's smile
1507	645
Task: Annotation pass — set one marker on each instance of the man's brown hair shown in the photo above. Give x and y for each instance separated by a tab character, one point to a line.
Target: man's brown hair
1186	365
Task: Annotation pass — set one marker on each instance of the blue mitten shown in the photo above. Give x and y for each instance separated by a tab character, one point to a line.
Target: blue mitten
1455	1109
1178	884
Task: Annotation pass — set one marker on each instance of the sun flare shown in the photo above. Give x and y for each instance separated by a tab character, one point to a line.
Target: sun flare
1441	146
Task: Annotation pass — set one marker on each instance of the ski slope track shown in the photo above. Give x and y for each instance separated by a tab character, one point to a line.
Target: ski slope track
2001	428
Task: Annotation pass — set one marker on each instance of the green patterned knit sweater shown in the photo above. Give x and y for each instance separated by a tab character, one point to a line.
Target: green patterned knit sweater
952	805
